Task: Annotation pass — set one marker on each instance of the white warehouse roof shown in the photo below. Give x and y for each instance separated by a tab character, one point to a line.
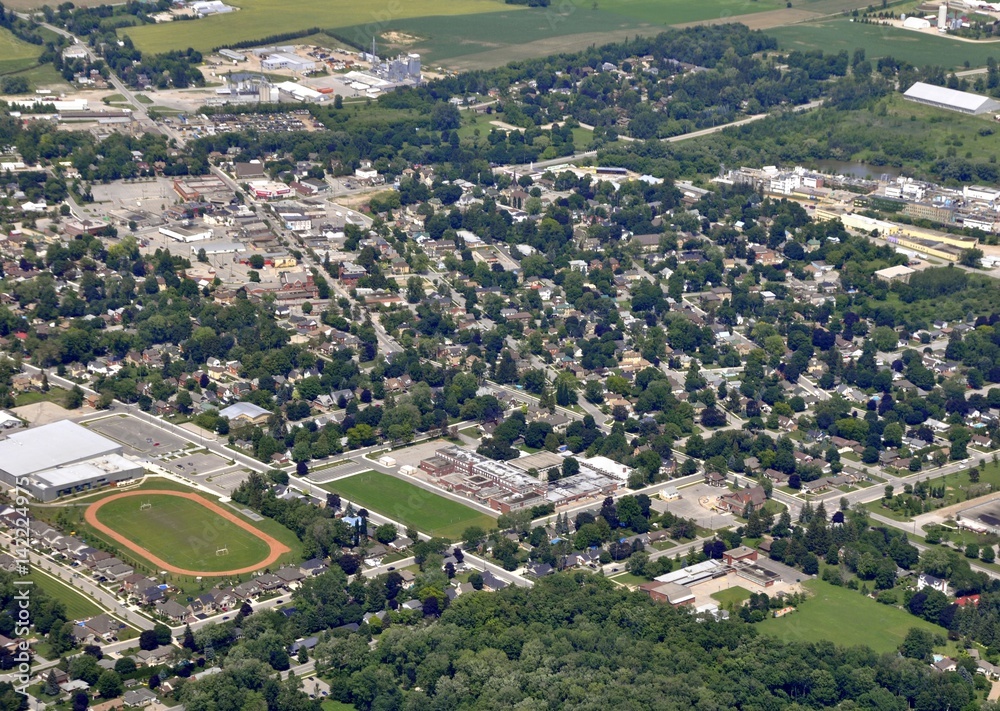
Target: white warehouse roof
50	446
950	98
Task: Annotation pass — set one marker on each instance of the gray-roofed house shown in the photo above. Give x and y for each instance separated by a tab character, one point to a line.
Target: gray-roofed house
139	697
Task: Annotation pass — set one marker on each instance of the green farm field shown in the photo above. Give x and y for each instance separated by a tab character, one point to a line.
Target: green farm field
183	532
257	19
880	41
16	54
845	617
409	504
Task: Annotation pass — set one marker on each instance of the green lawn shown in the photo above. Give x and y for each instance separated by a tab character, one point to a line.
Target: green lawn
183	532
879	41
257	19
733	596
627	579
54	394
331	705
78	607
16	54
409	504
847	618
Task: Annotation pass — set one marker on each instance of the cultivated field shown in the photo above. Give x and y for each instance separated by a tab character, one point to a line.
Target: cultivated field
917	48
847	618
257	19
184	533
16	54
409	504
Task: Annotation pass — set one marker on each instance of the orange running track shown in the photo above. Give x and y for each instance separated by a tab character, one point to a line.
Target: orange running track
277	548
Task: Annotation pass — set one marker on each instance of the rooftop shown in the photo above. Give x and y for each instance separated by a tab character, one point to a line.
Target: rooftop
51	446
961	100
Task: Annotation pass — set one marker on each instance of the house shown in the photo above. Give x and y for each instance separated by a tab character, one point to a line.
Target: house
172	610
540	570
945	664
740	501
312	567
925	580
715	479
290	576
152	657
307	643
139	697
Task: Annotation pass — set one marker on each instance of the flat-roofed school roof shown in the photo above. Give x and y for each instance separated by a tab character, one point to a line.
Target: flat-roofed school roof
53	445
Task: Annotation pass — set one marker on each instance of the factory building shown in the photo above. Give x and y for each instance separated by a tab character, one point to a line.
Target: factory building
62	458
284	60
951	99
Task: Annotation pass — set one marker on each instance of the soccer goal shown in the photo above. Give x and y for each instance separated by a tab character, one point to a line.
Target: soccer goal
222	551
145	505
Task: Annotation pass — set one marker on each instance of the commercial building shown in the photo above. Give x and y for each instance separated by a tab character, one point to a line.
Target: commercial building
269	190
62	458
282	60
950	99
896	273
183	234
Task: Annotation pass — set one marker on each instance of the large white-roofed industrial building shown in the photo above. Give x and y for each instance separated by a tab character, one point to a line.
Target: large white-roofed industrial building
62	458
951	99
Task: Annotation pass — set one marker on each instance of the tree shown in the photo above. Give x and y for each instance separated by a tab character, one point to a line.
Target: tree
414	290
74	398
189	642
918	644
506	371
971	258
593	392
125	665
109	685
147	640
473	536
163	634
386	533
51	685
80	700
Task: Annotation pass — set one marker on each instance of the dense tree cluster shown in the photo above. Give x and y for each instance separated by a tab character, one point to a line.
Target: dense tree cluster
575	641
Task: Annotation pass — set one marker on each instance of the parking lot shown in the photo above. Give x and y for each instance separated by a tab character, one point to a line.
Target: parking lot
325	476
197	463
224	481
149	195
417	453
139	438
687	506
